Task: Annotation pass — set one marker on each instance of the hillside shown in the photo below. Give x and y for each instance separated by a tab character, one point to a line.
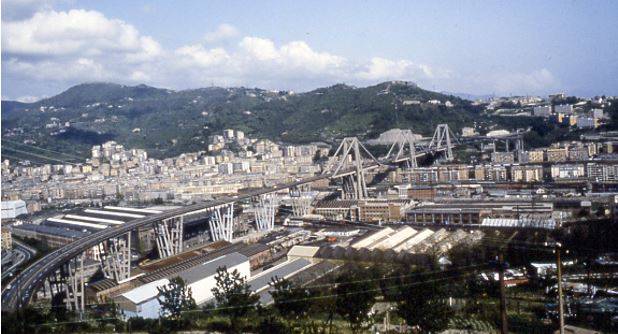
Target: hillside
167	122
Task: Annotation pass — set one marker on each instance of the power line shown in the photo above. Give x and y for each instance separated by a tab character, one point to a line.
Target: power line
452	269
380	289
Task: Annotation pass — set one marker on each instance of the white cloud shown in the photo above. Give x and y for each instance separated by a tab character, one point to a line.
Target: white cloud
298	54
197	55
259	48
384	69
63	48
28	99
75	69
76	32
289	60
223	32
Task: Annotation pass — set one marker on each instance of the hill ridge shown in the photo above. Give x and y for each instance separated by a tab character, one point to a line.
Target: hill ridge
168	122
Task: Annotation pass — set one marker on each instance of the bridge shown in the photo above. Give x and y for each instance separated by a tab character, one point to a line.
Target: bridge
62	269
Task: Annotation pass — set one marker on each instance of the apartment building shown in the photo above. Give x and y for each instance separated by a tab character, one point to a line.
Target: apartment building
568	172
532	173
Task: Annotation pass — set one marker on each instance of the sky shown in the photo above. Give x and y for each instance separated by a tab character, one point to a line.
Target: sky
474	47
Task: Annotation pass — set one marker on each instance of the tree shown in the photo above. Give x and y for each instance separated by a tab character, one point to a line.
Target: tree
175	298
423	304
292	302
233	296
356	295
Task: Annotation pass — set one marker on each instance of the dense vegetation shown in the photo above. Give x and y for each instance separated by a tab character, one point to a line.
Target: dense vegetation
170	122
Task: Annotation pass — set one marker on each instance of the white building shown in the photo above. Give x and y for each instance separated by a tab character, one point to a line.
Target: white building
567	171
597	113
228	133
586	122
467	131
541	111
602	172
226	168
12	209
142	301
565	109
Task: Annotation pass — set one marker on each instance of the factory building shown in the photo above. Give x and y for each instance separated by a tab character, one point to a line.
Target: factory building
409	240
260	284
475	212
142	301
51	236
375	210
62	229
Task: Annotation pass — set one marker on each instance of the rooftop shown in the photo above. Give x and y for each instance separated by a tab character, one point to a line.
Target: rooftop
145	292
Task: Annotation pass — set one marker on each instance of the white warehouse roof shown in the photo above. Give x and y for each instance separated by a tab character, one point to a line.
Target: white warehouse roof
138	210
96	220
396	238
76	223
145	292
367	241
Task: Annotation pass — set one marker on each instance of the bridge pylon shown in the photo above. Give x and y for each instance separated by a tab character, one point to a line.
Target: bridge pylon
441	140
69	279
405	141
169	236
222	223
115	256
349	156
265	210
74	284
301	198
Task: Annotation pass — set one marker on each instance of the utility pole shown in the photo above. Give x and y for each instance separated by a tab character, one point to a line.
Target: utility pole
504	328
558	246
503	316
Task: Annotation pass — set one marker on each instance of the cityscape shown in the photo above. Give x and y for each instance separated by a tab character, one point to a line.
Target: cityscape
147	189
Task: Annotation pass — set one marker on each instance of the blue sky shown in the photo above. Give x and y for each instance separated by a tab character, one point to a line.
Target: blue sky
477	47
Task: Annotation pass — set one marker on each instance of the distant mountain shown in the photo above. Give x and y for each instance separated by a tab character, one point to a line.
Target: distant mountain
9	106
167	122
472	97
97	92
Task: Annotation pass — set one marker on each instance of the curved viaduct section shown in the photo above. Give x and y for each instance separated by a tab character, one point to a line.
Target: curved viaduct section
27	283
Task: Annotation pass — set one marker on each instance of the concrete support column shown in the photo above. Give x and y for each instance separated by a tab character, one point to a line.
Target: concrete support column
115	256
169	236
75	284
222	223
265	211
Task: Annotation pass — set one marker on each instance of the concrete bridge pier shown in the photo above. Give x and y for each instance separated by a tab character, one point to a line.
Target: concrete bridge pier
222	223
115	256
265	211
75	284
441	140
169	236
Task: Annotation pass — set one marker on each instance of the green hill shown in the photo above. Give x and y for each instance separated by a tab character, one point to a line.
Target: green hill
167	122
